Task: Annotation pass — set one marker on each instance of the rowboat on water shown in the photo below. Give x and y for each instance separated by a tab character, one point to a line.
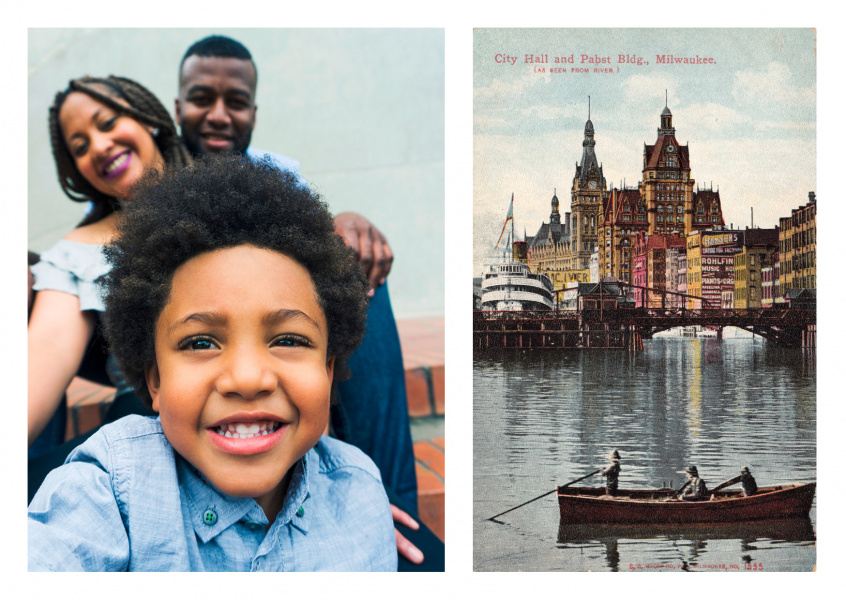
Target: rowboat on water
793	529
591	505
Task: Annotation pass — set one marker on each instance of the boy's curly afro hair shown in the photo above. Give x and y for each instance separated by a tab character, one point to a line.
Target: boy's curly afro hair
220	203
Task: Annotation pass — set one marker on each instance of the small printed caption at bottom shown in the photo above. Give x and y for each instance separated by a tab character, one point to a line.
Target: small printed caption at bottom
751	566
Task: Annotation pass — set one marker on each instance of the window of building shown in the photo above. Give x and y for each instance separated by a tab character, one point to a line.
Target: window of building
700	208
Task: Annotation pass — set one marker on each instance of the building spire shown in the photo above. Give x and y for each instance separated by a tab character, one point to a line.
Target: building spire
555	216
666	118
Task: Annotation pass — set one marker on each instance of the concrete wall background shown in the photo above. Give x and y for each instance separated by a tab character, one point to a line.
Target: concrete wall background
362	110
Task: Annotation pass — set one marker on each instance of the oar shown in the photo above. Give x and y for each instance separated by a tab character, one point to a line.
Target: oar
727	483
724	484
493	518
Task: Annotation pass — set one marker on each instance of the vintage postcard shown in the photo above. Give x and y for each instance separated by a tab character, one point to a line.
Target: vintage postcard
644	300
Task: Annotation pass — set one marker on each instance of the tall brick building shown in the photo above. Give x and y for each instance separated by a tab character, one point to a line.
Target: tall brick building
666	202
563	250
798	248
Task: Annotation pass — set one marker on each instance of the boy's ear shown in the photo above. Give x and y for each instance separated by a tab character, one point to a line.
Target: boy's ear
151	375
330	367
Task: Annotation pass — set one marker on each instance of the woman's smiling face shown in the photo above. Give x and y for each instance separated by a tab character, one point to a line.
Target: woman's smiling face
242	379
111	150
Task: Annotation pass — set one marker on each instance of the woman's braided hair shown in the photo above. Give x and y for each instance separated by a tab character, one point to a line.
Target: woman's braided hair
144	107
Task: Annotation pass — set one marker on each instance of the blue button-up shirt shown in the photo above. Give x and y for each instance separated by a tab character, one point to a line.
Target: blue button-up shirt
125	501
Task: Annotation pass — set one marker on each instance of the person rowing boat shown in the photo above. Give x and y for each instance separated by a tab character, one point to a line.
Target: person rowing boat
611	473
695	488
747	482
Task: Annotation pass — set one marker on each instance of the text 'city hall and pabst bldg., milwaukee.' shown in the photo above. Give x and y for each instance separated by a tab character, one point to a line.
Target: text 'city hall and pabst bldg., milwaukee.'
667	237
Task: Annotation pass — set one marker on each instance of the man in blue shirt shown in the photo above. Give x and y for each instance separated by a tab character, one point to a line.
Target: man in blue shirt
216	112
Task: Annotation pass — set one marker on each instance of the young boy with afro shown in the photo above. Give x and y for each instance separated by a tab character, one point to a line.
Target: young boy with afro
233	330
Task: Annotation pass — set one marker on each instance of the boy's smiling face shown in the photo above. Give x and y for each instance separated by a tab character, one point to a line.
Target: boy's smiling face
242	378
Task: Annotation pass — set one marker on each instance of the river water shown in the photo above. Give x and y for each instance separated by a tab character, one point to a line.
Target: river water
542	419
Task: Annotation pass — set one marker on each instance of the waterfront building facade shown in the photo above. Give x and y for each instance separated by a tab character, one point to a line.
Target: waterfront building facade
758	251
667	187
651	256
682	277
769	291
798	248
624	217
673	275
710	266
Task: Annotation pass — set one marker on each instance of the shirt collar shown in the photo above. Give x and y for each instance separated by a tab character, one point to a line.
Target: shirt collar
295	509
202	499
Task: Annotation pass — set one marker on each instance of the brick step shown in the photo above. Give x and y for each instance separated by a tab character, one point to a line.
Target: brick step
430	466
422	342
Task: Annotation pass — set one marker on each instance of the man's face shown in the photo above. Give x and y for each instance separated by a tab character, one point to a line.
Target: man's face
216	105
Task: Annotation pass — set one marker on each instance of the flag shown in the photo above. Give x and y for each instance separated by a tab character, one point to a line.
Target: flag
508	217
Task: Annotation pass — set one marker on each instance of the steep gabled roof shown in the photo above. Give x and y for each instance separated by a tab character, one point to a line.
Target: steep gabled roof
653	153
624	198
541	238
709	198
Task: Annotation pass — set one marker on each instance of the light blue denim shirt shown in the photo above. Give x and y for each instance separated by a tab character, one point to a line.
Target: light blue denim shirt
125	501
283	163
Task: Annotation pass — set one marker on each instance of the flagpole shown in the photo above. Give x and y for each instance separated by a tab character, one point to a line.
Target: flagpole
512	229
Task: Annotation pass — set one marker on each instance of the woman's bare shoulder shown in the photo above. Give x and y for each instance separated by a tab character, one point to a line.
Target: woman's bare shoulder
97	233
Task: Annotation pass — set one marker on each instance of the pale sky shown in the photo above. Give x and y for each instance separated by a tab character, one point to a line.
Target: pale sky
749	119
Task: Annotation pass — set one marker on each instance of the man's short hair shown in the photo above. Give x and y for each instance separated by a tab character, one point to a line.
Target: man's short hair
223	202
218	46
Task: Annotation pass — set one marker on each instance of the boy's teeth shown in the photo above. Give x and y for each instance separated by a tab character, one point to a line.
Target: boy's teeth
247	430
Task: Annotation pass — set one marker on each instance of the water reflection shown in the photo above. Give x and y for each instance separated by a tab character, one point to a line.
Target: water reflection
690	542
541	419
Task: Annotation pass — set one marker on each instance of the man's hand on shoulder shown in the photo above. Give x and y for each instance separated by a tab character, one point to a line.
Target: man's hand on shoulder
370	246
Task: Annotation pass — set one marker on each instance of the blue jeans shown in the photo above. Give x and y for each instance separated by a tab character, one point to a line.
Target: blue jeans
54	432
372	408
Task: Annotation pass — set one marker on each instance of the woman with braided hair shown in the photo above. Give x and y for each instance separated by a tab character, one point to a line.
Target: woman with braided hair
105	133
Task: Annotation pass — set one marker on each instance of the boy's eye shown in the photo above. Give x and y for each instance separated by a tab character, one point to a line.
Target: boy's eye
289	340
197	343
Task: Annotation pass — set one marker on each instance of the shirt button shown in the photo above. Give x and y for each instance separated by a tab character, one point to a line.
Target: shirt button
300	511
209	517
